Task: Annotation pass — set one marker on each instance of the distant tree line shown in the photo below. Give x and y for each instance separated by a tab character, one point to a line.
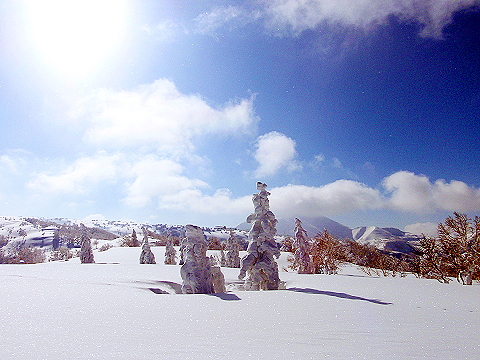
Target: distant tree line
454	253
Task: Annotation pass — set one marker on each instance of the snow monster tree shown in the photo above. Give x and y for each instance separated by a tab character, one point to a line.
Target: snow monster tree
196	272
86	253
233	250
146	256
258	267
301	258
170	252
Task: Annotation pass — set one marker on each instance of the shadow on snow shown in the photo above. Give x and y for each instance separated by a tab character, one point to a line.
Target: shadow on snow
337	294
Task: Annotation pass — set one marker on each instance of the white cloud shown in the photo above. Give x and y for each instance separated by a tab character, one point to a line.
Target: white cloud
165	30
274	152
159	117
428	228
341	196
299	15
9	163
415	193
319	158
155	178
209	22
220	203
78	177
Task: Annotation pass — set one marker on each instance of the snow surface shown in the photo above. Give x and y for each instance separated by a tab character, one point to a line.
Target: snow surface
119	309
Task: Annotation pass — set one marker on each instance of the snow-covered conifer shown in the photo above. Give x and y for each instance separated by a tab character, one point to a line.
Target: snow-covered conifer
301	258
146	256
170	252
259	266
86	253
233	250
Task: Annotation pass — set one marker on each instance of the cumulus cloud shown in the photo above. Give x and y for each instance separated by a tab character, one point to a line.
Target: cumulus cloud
341	196
158	116
302	15
416	193
78	177
157	177
427	228
221	202
274	152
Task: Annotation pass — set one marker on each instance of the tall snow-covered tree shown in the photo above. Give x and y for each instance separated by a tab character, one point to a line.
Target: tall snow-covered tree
258	267
86	253
170	253
135	241
301	258
233	252
146	256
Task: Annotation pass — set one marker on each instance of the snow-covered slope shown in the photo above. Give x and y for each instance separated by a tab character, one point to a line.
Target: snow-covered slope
312	226
117	309
388	239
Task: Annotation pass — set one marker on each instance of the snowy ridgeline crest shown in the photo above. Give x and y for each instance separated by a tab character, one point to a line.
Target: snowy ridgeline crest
258	267
198	274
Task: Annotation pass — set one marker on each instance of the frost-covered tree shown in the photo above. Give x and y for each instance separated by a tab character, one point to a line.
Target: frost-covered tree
258	267
170	253
301	259
222	260
218	279
146	256
135	241
86	253
196	272
233	252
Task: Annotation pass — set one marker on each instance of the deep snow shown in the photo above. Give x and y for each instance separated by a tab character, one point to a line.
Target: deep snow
117	309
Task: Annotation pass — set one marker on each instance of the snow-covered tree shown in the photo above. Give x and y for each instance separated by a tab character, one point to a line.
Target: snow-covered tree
86	253
233	250
301	258
196	272
135	241
146	256
258	267
170	253
222	260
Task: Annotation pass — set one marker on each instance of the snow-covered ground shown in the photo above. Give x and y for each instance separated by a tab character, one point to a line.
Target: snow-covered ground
118	309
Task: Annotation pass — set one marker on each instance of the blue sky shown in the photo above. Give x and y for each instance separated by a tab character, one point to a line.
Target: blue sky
169	111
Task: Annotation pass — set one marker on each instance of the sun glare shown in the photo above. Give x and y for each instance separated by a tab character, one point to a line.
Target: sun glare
75	36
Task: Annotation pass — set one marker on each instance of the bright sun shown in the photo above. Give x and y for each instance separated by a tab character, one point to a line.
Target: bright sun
76	35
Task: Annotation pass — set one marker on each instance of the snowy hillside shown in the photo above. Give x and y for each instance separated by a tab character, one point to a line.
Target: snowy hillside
388	239
117	309
312	226
40	232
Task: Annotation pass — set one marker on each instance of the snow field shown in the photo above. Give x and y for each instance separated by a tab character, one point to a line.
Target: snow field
117	309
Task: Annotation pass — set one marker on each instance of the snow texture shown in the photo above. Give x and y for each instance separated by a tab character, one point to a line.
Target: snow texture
259	268
119	309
